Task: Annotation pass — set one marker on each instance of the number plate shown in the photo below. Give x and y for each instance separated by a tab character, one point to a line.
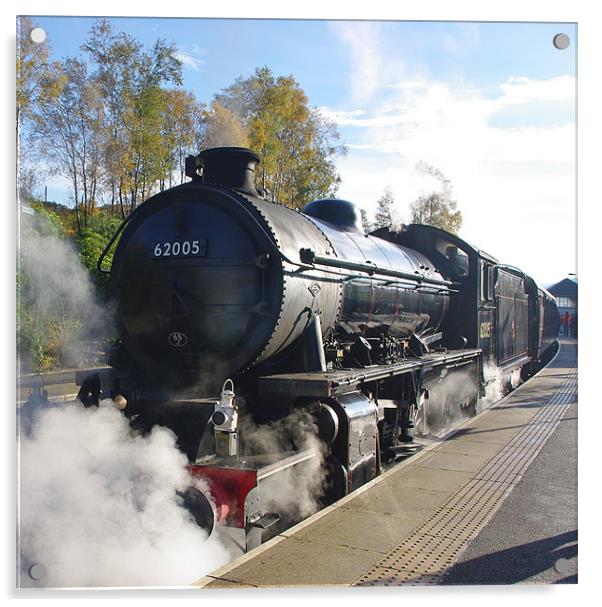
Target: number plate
180	248
485	330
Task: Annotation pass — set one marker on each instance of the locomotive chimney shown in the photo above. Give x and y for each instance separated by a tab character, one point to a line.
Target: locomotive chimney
232	167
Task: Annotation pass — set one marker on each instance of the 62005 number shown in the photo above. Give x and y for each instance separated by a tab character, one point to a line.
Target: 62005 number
184	248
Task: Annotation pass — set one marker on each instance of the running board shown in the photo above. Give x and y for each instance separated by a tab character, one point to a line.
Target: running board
333	383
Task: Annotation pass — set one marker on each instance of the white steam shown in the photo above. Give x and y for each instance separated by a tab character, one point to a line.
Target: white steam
451	398
60	289
494	385
456	391
97	502
57	276
223	128
515	379
497	384
295	492
98	505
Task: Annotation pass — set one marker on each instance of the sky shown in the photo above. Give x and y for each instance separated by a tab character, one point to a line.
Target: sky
491	105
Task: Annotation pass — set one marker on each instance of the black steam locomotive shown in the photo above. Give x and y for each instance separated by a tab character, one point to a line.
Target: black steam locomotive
376	336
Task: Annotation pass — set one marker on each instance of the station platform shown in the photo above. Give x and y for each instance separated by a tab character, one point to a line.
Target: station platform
58	386
495	501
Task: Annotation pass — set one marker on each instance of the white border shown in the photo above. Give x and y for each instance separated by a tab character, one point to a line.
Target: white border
582	11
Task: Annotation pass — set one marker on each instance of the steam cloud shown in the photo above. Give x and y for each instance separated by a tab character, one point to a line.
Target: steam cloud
497	385
451	391
61	288
295	492
494	386
458	388
98	504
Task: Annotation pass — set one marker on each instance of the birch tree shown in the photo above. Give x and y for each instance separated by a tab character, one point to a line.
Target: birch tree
439	208
296	144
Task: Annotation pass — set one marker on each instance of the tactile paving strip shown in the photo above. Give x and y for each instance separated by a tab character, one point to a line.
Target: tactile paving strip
430	551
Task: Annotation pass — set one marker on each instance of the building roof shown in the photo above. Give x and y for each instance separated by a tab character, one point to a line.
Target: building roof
564	288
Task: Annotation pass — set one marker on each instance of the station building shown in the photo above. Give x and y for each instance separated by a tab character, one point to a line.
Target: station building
565	293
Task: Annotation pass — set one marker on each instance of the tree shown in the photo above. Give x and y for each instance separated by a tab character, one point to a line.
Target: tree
91	242
48	222
111	125
131	81
366	225
29	179
143	162
296	144
69	130
32	84
384	209
181	117
438	209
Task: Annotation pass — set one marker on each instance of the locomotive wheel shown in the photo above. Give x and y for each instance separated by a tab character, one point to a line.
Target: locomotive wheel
336	479
201	508
409	422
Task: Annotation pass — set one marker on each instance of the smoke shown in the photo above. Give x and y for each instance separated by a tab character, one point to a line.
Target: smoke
497	384
294	493
97	502
450	397
494	385
223	127
98	505
515	379
59	308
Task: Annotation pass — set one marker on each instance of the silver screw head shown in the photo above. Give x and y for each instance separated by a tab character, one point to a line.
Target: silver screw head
37	35
561	41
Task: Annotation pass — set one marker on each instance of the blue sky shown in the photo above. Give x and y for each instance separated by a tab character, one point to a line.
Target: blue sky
492	105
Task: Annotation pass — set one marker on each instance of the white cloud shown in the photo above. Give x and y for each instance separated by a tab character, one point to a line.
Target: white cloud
515	186
371	69
343	118
407	84
525	90
192	57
